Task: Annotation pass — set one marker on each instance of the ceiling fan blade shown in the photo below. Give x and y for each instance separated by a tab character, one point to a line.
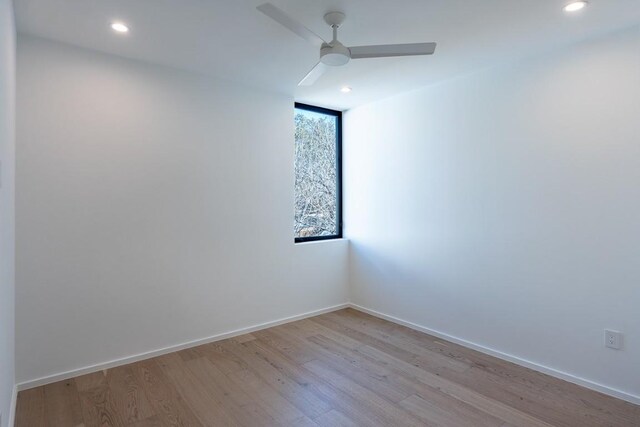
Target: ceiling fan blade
313	75
291	24
386	50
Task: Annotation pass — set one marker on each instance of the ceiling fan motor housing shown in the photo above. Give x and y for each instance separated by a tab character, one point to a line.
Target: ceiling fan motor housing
335	55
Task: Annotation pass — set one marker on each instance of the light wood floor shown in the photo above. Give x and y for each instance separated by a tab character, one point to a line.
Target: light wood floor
339	369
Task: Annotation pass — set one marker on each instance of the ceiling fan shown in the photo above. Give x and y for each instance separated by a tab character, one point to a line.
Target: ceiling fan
334	53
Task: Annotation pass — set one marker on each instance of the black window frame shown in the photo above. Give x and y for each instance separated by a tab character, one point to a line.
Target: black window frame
338	115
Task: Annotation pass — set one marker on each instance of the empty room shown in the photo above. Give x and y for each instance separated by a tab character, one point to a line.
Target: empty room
320	213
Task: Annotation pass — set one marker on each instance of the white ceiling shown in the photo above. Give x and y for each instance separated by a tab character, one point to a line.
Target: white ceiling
231	39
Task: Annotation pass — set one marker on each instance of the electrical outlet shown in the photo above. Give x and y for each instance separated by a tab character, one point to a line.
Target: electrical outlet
613	339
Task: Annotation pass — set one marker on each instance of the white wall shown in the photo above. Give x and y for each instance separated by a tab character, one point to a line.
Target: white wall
503	208
154	207
7	204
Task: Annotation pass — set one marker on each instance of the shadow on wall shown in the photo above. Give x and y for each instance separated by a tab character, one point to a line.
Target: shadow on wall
421	279
375	270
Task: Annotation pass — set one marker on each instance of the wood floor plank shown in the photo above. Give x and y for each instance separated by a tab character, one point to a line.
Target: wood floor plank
334	418
147	422
464	394
445	410
222	355
393	357
331	397
62	404
342	360
383	409
245	410
30	408
391	338
576	398
163	397
307	328
383	376
98	409
359	370
97	402
523	382
128	395
205	406
289	347
298	392
407	383
448	349
344	368
536	400
244	338
430	364
279	408
518	390
91	381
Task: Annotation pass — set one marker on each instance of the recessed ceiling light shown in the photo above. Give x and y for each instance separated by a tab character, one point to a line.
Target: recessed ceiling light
575	6
119	27
345	89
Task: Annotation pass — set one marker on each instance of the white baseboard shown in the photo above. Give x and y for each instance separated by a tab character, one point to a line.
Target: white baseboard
11	420
508	357
25	385
159	352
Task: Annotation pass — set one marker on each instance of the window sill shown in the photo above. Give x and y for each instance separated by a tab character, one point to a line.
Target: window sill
313	242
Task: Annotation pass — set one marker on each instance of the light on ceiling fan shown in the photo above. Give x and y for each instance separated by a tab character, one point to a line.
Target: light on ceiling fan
575	6
345	89
119	27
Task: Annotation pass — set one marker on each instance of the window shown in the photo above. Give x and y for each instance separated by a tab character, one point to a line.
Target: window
318	170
